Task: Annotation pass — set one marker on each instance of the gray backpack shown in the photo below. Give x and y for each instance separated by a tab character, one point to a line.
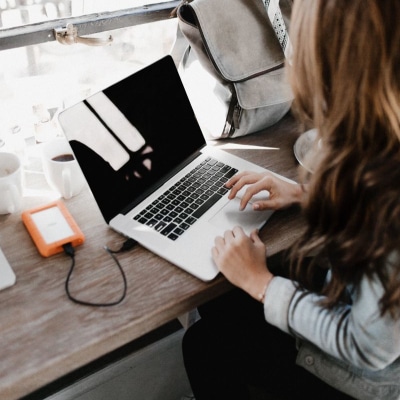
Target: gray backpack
235	44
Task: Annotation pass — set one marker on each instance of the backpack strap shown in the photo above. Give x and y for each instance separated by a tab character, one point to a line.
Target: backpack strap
278	23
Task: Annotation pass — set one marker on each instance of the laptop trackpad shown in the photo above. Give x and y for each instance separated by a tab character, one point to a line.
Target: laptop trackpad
230	216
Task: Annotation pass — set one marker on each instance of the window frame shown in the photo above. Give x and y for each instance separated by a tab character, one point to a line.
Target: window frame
41	32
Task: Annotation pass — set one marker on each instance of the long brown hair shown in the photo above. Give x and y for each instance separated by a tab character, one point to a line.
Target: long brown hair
345	75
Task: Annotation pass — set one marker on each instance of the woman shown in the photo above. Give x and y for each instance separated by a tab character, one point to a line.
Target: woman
339	337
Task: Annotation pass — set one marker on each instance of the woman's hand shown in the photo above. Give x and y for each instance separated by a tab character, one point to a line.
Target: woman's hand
242	259
282	194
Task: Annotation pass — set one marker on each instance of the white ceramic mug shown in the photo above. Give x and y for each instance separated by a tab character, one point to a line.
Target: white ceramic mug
61	169
10	183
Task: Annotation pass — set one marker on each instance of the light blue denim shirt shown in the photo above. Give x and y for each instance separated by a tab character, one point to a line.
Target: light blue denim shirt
351	347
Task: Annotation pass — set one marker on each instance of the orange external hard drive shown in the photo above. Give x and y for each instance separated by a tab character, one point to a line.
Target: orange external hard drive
51	226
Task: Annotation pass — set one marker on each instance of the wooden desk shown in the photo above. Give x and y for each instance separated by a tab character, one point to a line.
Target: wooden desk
45	336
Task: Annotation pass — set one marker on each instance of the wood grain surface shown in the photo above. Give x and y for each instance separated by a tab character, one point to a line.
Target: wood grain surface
44	335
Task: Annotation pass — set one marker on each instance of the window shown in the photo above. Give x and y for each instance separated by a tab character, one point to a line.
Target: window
40	76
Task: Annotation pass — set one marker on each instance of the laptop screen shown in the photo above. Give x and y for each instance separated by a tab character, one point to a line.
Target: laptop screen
132	135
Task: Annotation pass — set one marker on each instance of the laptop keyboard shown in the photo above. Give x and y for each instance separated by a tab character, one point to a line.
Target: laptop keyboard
179	207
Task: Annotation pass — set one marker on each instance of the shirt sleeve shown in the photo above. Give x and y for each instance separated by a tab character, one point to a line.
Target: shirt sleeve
355	333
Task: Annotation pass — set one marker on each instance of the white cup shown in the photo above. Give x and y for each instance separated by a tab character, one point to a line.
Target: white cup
61	169
10	183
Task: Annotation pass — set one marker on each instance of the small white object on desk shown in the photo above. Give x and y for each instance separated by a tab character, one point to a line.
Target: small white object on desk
7	276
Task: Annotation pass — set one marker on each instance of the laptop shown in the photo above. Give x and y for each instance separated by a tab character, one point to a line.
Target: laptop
151	172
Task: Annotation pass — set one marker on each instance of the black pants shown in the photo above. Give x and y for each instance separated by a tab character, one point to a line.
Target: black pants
232	353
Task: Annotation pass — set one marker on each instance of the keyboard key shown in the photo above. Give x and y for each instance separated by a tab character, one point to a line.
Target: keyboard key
168	229
206	206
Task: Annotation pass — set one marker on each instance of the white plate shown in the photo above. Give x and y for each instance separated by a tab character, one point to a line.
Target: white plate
303	145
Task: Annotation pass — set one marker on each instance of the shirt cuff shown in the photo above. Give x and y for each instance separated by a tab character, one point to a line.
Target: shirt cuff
277	300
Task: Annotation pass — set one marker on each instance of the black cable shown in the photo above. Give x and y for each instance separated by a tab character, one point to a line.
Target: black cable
70	251
127	245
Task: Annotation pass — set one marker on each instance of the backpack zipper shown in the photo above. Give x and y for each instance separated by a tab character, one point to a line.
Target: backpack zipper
233	116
